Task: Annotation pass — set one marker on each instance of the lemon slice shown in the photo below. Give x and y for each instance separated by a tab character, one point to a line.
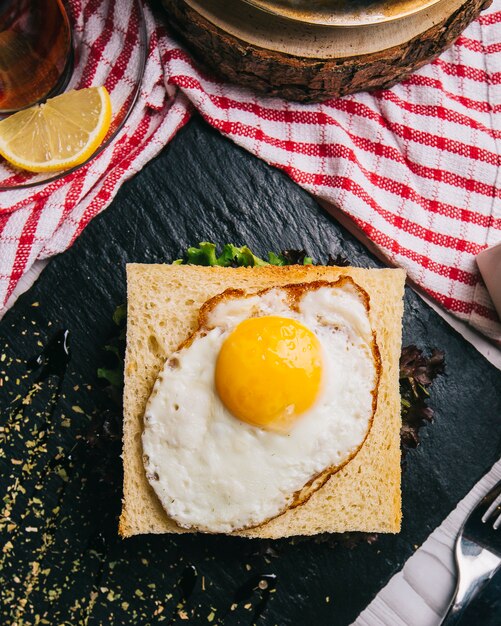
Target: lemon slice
61	133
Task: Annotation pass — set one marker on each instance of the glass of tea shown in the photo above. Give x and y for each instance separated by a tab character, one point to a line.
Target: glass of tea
46	50
36	53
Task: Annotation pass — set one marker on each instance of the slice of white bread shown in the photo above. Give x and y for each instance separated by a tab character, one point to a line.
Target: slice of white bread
162	311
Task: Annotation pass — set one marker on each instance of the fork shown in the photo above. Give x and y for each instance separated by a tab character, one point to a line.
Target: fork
477	552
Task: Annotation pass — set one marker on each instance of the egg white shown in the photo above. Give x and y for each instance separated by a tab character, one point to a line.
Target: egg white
215	473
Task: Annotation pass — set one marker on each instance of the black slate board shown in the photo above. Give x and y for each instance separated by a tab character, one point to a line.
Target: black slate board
62	561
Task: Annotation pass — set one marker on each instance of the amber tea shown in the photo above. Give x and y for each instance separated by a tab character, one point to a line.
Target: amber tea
35	51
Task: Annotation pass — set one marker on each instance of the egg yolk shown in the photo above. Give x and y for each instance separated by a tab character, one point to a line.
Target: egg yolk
269	371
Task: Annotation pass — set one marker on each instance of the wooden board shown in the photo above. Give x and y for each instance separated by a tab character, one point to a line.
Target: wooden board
307	62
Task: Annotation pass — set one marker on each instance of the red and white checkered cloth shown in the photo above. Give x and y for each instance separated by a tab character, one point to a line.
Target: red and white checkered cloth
416	166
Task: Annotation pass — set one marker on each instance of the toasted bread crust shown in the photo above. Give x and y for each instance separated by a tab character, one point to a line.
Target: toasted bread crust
164	302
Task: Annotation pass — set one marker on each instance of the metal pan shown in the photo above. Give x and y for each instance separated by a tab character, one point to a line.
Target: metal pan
343	12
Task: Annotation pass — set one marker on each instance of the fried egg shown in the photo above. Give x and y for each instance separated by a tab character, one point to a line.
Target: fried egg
273	393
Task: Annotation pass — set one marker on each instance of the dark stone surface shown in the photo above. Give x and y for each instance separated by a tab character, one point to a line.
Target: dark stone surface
61	491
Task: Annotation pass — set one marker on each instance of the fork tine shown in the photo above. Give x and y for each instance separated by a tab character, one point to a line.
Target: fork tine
497	523
494	501
492	508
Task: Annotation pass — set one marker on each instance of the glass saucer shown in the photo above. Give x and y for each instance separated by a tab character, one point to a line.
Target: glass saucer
123	59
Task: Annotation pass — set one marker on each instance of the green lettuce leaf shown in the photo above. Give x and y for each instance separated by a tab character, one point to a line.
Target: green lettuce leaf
233	256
